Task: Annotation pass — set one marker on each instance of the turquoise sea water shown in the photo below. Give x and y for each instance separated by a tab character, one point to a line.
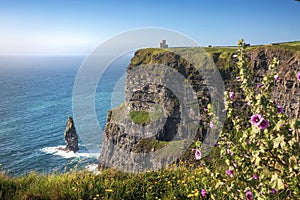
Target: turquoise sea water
35	101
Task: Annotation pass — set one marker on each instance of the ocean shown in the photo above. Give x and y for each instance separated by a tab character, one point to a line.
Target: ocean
35	102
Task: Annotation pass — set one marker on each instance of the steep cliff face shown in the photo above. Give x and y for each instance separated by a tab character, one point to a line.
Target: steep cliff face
151	117
286	92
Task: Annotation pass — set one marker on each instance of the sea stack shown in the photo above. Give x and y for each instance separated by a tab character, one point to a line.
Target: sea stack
70	136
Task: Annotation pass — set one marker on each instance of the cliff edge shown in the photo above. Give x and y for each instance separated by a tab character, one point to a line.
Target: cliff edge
150	119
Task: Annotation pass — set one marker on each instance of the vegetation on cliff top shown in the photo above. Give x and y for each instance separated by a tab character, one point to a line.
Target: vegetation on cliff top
222	56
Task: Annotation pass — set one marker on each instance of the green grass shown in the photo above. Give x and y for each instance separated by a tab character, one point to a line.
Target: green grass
170	183
163	184
178	181
140	117
149	144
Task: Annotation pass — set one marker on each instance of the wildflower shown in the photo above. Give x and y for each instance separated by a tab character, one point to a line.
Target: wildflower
280	109
229	172
249	195
276	77
205	109
197	154
203	193
259	85
263	124
255	119
255	176
190	195
298	76
248	104
238	78
273	190
228	151
231	96
211	125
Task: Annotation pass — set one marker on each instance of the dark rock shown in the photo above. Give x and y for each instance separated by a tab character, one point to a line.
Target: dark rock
70	136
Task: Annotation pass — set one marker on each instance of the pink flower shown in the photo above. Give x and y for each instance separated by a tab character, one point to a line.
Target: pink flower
211	125
229	172
263	124
273	190
259	121
197	154
255	176
228	151
298	76
280	109
203	193
231	96
276	77
259	85
249	195
255	119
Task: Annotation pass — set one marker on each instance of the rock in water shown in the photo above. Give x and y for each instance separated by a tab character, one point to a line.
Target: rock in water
70	136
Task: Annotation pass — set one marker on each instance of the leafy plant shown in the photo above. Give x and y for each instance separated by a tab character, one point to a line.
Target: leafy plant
261	147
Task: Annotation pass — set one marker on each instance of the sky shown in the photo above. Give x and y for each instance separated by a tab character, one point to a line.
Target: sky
77	27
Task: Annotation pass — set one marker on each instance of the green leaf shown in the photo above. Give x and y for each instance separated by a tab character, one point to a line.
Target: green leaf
279	141
277	182
198	144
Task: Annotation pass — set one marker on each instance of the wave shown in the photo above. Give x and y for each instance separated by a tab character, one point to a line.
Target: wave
59	151
93	168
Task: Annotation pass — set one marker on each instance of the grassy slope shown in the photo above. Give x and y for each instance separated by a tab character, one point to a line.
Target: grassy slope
164	184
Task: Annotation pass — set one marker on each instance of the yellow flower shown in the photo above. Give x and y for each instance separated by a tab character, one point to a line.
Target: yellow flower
108	190
190	195
196	194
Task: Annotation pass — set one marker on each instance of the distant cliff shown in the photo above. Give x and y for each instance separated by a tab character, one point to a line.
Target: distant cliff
148	102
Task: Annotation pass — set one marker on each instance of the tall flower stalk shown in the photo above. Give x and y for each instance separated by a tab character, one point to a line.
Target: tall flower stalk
261	140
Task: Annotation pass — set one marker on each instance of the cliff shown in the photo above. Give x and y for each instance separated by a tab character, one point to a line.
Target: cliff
150	130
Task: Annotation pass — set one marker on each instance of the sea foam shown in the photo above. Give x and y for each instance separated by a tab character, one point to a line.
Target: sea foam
59	151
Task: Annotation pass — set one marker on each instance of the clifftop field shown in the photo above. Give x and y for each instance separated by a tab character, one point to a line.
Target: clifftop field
257	156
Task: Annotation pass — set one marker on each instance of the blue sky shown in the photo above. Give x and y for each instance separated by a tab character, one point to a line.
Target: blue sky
76	27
